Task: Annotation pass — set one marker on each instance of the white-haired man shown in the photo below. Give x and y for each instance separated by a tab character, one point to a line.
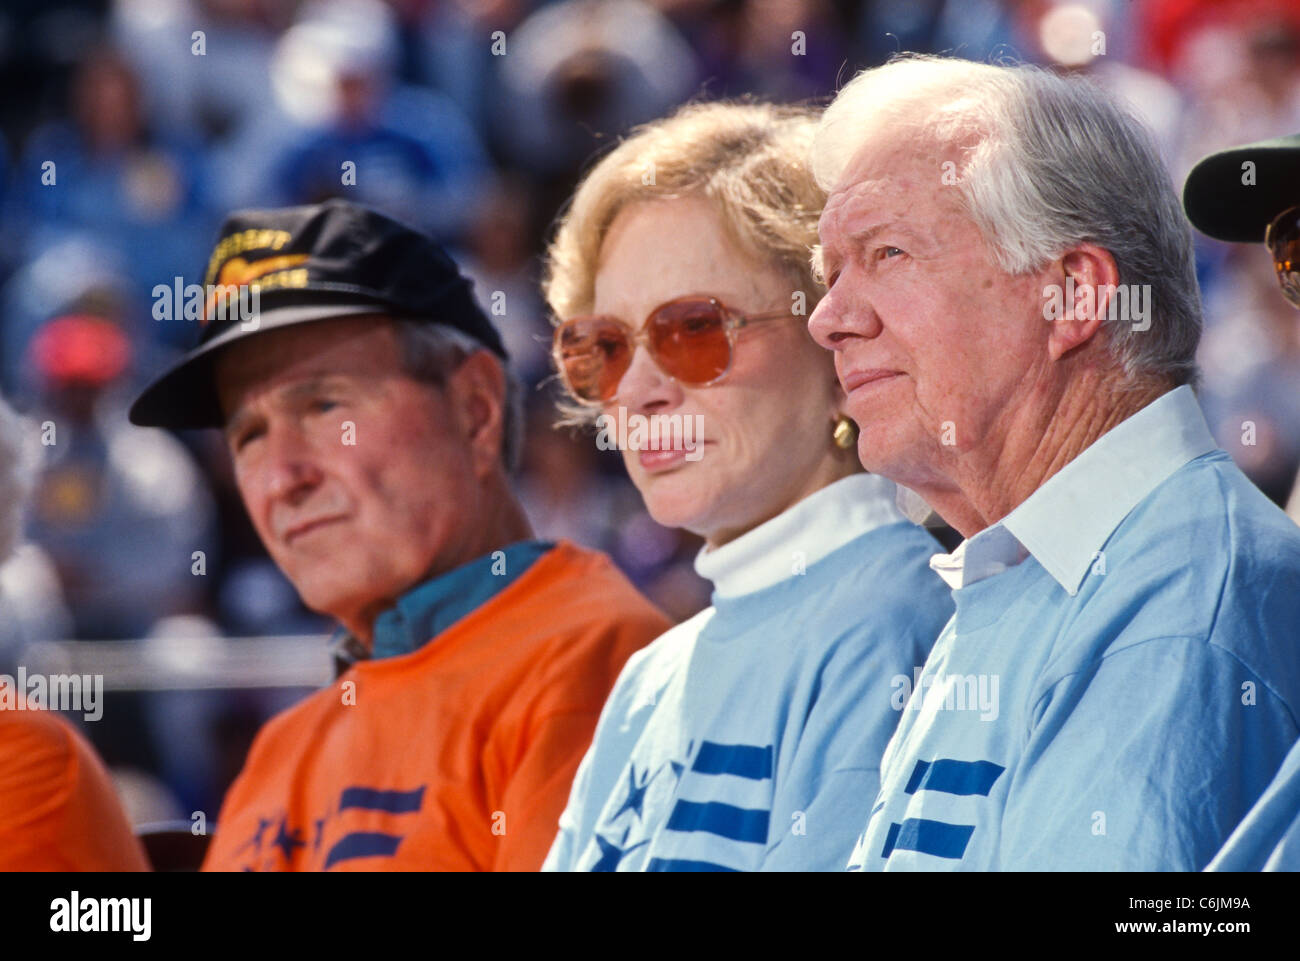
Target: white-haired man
1014	314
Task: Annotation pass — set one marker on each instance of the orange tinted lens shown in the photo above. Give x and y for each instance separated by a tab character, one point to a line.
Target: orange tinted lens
593	354
1284	243
689	341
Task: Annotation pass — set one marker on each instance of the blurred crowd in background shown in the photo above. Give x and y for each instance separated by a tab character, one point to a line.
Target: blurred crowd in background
129	128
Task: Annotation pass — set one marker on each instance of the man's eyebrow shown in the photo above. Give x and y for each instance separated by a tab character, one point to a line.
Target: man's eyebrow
311	385
865	234
235	423
294	392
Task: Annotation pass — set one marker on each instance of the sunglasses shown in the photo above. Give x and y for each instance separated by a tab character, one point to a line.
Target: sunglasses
692	339
1283	241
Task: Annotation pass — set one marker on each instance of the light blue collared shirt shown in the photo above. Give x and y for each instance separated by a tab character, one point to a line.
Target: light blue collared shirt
1121	677
1269	838
1065	522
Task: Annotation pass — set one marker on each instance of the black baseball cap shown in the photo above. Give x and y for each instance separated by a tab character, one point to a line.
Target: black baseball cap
1219	204
333	259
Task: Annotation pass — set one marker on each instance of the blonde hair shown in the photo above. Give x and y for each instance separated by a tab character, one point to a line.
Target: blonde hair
750	160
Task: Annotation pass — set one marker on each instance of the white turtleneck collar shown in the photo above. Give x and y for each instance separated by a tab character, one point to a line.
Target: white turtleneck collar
816	526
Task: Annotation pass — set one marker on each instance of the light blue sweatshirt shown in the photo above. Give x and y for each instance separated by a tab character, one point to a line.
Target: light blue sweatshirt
749	736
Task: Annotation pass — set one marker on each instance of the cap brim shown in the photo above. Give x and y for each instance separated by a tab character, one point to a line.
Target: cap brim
1218	202
185	396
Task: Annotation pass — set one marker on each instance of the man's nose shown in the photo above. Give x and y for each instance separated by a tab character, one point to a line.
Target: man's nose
645	388
292	471
840	317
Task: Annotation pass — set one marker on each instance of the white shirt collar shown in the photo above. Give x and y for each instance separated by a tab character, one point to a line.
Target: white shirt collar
1065	522
979	557
821	523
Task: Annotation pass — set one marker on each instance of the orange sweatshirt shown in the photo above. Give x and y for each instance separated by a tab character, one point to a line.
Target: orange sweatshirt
58	808
457	756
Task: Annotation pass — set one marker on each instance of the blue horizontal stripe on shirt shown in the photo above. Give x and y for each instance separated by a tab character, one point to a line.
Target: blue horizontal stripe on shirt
724	820
924	836
953	777
673	864
370	799
363	844
742	760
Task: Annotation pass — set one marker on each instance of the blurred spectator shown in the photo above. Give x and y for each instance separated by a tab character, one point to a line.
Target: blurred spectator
1077	37
977	29
447	44
205	66
40	40
776	49
1244	81
121	511
499	259
58	809
402	150
73	276
563	490
8	257
106	174
31	601
1251	358
1164	28
579	71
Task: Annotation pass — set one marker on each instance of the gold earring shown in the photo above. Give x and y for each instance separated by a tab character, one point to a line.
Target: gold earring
844	435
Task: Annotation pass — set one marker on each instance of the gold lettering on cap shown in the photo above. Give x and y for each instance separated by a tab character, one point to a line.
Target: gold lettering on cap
232	245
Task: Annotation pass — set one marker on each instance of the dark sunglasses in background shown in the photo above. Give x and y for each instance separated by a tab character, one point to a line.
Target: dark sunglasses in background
1283	241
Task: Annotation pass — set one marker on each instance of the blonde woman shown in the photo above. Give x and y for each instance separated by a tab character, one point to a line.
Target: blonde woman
749	736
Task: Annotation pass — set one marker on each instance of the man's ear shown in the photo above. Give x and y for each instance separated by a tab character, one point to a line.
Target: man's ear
478	390
1088	276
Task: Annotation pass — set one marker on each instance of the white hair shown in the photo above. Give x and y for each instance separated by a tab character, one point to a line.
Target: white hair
17	469
432	351
1052	161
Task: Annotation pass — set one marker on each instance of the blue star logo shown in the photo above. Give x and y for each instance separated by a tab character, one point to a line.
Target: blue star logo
255	842
635	795
287	840
612	854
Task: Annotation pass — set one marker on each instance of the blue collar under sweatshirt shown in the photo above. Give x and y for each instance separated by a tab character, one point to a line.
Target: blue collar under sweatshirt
429	608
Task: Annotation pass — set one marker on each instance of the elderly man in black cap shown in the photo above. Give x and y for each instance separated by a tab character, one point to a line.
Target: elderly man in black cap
370	419
1251	194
